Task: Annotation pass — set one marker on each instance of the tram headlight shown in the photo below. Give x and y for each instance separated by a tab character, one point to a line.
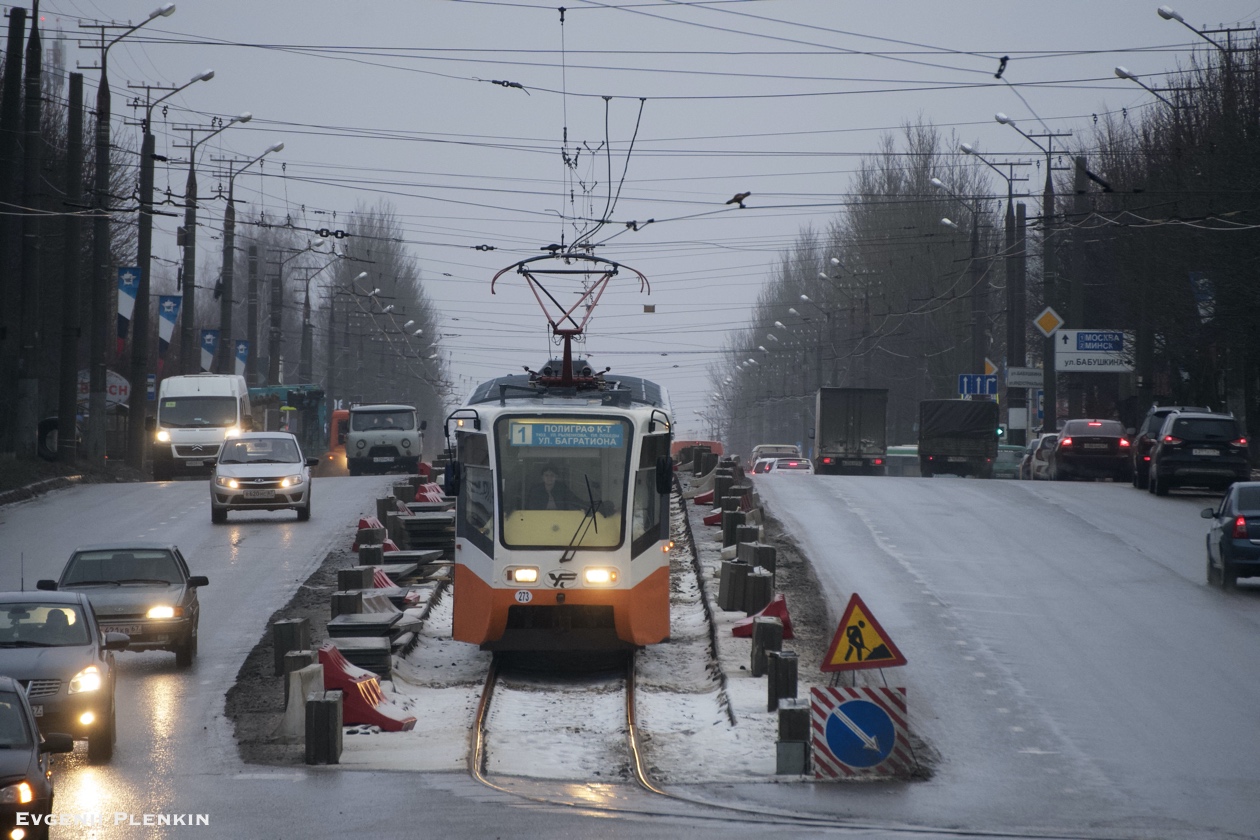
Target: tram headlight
599	576
522	574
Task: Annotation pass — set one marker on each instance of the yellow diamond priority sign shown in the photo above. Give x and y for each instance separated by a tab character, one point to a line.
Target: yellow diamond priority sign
1048	321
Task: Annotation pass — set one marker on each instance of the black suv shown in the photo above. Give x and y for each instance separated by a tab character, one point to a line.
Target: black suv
1144	440
1198	449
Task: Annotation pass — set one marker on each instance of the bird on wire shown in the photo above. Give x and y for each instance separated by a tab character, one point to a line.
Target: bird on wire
739	199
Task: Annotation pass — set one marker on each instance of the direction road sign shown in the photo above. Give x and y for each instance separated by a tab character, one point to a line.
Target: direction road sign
1024	377
977	383
860	732
1093	351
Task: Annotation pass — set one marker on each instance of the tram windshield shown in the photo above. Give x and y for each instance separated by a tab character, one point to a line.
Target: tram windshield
562	480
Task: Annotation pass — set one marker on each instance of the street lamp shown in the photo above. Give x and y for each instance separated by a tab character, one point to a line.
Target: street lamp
1124	73
190	359
973	266
1016	398
144	253
98	349
229	269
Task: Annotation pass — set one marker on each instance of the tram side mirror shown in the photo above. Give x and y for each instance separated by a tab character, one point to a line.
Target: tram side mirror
451	478
664	475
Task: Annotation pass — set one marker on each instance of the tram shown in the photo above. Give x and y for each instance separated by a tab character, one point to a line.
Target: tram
562	476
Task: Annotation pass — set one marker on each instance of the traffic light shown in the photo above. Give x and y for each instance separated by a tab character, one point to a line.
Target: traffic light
1001	432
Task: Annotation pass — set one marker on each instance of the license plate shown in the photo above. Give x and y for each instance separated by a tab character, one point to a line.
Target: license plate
260	494
38	711
382	459
956	459
129	629
195	463
852	463
1095	446
1205	452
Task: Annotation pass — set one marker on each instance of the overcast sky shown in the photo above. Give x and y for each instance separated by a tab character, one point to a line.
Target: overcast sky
397	101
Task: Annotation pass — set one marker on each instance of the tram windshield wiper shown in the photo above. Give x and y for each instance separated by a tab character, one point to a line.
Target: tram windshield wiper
588	519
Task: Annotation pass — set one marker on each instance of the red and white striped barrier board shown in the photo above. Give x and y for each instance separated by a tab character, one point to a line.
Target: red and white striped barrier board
860	733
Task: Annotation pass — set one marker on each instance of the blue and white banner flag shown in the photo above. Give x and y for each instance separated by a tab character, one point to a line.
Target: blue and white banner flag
209	343
128	282
168	314
242	357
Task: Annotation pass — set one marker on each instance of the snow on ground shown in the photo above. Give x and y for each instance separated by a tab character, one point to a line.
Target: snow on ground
686	702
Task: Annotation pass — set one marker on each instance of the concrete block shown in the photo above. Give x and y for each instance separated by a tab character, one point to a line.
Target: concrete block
731	520
791	758
793	719
347	603
296	660
289	634
731	585
355	577
374	554
767	636
781	670
298	685
323	727
758	590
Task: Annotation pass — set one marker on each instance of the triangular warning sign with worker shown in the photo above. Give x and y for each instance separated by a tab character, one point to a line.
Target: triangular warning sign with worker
860	642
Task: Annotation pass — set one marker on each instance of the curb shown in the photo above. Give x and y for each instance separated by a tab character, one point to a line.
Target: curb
30	491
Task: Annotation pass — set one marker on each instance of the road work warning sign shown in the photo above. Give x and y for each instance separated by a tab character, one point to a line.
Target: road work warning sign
860	642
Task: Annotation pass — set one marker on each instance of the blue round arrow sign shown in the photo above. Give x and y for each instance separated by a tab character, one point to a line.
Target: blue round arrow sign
860	733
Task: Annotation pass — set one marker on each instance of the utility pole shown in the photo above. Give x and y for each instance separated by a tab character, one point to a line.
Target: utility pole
137	404
1076	284
71	281
101	263
27	420
10	223
251	316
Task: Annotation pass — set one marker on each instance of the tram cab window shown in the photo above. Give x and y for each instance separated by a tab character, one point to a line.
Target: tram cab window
649	505
476	501
562	481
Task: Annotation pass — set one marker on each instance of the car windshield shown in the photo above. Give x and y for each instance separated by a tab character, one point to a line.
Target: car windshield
260	451
369	421
196	412
1205	428
40	624
116	568
14	732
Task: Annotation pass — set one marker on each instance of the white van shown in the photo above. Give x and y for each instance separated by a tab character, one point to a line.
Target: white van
194	415
383	438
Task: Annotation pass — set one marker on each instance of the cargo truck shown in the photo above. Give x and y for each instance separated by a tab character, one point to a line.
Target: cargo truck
958	437
850	431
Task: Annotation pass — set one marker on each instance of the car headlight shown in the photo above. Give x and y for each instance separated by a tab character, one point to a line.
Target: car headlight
163	436
164	612
406	442
19	794
89	679
291	480
232	432
360	443
225	481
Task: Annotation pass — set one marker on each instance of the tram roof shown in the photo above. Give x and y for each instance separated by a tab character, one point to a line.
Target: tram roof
618	390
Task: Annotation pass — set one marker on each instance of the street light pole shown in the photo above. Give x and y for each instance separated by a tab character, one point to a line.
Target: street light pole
144	254
1016	398
226	353
99	343
189	349
1050	421
976	278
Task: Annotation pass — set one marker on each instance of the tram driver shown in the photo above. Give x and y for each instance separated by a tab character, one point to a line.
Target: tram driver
551	494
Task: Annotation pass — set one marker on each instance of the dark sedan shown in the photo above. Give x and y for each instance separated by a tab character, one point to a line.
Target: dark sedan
26	783
1233	541
141	589
1091	449
51	644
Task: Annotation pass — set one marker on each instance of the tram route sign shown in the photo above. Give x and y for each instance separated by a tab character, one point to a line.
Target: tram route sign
560	434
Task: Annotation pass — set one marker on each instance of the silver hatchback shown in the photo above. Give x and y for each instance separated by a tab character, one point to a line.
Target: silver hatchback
261	471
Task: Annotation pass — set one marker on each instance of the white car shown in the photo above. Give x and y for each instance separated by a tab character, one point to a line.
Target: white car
763	465
261	471
792	466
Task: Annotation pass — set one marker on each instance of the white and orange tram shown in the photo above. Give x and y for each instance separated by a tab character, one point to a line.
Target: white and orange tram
562	520
563	478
